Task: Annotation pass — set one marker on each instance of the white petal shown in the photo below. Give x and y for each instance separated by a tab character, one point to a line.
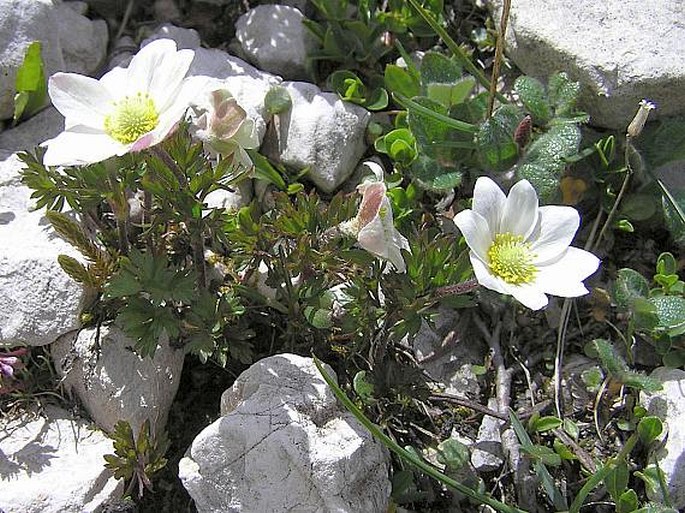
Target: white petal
565	276
80	146
81	100
159	69
247	135
556	228
115	82
144	65
520	213
484	277
528	295
475	229
488	201
375	239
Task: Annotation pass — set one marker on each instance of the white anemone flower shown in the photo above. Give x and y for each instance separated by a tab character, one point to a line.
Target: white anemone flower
223	125
521	249
127	110
373	226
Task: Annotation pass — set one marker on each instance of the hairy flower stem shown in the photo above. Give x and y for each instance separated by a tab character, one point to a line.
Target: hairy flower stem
456	289
194	225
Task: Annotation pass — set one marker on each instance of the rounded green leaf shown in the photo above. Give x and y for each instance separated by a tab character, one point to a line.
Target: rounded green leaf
629	285
649	429
532	94
453	454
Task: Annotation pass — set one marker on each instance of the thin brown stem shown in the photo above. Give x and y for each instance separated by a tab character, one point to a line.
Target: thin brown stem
499	54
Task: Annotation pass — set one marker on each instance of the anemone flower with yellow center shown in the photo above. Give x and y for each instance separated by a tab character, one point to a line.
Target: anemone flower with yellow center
373	226
127	110
521	249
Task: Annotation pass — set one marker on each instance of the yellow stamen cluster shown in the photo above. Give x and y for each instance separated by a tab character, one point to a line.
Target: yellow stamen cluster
511	259
132	117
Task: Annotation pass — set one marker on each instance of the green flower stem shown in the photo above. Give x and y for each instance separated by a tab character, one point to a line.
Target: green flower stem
455	48
408	456
409	104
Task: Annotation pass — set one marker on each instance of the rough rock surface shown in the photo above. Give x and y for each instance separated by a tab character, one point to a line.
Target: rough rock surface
70	41
283	444
321	132
114	383
274	38
447	356
52	463
38	301
619	50
669	405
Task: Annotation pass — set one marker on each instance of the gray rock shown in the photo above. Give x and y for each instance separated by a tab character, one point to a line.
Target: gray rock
448	354
274	38
113	383
669	405
321	132
283	444
70	41
84	41
185	38
52	463
487	454
620	51
28	134
245	82
38	301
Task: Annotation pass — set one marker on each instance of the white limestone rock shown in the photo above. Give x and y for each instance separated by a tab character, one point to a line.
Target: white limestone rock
669	405
246	83
38	301
321	132
52	463
620	51
240	196
113	383
283	444
70	41
274	38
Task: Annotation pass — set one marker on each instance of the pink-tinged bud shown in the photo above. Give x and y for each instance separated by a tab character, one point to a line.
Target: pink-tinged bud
638	123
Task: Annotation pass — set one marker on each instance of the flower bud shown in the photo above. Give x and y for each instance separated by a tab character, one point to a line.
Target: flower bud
637	124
